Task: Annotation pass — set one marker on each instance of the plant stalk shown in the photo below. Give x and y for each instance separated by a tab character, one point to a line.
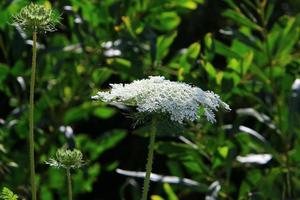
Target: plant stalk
69	184
149	160
31	118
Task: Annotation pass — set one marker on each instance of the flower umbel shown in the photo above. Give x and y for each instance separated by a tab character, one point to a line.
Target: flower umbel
67	159
158	95
37	18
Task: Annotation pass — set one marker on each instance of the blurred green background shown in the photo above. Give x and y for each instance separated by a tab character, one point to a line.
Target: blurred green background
248	51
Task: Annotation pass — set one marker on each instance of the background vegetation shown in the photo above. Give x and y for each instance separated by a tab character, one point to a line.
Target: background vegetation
246	51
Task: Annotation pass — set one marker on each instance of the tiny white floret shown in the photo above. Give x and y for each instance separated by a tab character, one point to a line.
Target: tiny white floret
155	94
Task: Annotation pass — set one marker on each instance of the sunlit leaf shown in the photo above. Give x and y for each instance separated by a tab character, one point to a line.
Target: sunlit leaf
241	19
166	21
104	112
163	44
170	193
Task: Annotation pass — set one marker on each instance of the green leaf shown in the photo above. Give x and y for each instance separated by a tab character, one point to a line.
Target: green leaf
163	44
193	50
97	146
89	177
122	62
4	71
55	178
270	9
18	68
233	76
287	37
174	150
209	68
165	21
46	193
104	112
241	19
7	194
247	62
189	156
121	65
189	4
189	57
156	197
200	1
247	38
208	41
251	4
127	21
67	93
101	75
170	193
231	4
219	77
77	113
224	50
235	65
223	151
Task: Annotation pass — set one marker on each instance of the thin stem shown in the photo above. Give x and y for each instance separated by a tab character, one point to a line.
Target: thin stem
69	184
31	119
149	160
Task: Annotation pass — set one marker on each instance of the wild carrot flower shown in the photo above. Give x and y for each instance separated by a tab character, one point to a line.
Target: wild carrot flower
155	94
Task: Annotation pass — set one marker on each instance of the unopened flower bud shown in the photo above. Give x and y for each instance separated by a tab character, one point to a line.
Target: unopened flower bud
37	18
67	158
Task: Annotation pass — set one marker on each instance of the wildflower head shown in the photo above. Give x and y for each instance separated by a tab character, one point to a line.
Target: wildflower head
36	18
67	159
156	95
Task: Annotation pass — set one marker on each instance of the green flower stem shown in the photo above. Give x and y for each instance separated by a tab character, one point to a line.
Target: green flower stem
149	160
31	118
69	184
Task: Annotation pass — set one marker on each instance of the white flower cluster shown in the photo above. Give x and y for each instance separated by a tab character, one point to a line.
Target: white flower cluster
158	95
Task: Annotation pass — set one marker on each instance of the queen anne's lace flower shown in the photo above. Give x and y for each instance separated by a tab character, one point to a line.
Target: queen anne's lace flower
158	95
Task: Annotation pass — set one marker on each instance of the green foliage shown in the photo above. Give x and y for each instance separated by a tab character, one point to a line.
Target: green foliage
170	192
7	194
246	51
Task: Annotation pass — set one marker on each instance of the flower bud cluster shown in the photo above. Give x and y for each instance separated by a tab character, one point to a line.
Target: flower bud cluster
37	18
67	159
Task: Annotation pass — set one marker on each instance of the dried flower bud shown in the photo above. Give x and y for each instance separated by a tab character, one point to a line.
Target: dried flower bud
37	18
67	159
